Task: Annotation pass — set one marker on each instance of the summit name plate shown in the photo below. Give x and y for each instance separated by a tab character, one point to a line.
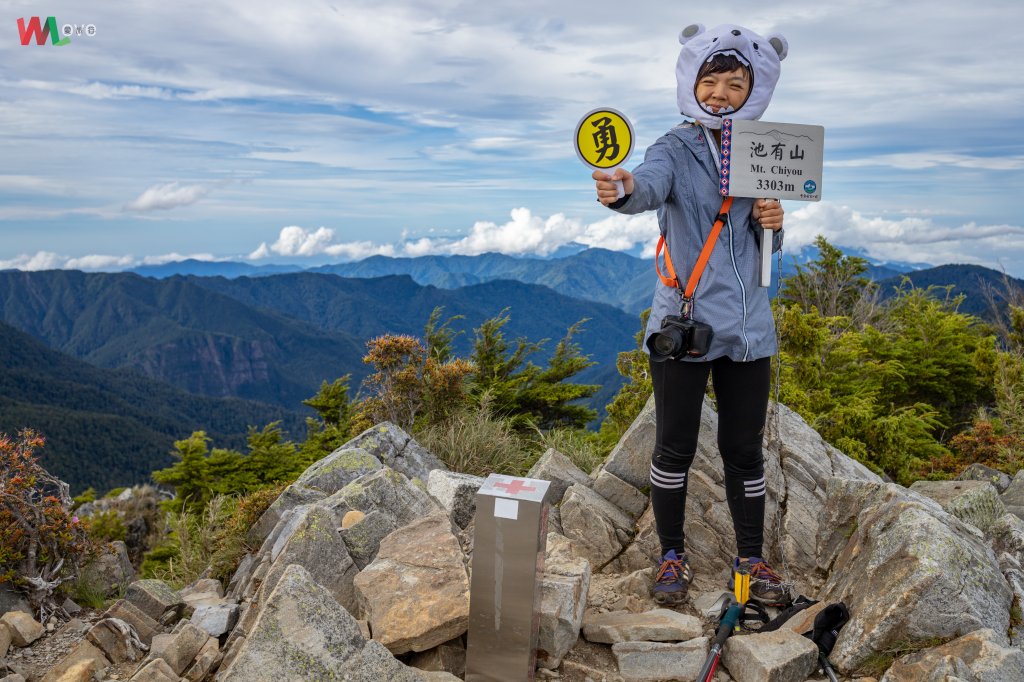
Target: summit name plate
772	160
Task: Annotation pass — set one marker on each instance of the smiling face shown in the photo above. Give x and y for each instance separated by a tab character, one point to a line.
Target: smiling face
723	92
719	52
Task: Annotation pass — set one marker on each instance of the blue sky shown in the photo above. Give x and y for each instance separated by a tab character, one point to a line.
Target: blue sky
314	131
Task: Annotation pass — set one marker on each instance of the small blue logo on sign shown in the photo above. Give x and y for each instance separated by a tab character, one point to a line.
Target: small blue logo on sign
810	186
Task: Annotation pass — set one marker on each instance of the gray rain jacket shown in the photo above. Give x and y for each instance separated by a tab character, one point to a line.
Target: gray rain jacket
679	177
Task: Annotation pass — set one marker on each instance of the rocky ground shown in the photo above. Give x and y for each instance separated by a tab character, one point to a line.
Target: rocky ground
365	566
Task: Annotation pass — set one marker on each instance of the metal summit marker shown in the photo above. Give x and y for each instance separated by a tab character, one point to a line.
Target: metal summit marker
510	536
764	159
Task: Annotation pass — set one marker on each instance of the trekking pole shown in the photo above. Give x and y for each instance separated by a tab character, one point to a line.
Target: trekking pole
725	626
729	621
826	666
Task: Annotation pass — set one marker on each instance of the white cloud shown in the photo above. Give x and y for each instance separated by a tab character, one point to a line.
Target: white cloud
99	262
923	160
912	239
42	260
298	241
525	234
167	196
173	257
359	250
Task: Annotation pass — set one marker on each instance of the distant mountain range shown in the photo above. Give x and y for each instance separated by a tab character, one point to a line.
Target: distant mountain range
611	277
275	338
273	333
107	428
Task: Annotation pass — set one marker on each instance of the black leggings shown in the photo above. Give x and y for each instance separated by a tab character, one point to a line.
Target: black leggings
741	390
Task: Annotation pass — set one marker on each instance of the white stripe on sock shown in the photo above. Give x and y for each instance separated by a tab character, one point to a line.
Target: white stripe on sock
658	484
655	478
754	484
668	476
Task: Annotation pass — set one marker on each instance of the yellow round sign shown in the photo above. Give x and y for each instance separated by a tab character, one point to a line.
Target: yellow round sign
604	138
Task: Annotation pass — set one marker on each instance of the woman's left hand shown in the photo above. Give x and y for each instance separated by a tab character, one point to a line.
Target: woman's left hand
768	212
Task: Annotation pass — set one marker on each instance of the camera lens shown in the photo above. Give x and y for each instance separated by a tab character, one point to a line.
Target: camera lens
665	344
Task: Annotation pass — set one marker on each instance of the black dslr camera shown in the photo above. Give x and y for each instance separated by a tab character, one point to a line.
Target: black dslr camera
679	337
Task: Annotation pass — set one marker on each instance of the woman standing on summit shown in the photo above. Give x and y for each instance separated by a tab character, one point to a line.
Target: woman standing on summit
726	71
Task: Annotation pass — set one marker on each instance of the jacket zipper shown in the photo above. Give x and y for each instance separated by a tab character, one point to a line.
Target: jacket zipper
732	253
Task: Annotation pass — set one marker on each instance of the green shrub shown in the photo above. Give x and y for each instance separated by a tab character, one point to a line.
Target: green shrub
475	442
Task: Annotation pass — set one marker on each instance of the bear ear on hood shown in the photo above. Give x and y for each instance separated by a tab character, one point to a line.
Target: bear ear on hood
779	42
690	32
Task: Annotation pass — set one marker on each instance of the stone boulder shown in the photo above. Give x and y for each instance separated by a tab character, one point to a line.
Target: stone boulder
596	527
909	572
317	545
293	496
338	469
798	466
779	656
976	656
23	628
179	648
974	502
111	571
621	494
561	471
563	588
653	661
416	591
388	501
1013	496
396	449
303	635
456	493
980	472
156	599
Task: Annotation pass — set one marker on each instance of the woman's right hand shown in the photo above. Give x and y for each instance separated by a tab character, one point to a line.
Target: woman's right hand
607	190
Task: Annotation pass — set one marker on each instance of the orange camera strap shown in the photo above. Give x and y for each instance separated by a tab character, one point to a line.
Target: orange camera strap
668	278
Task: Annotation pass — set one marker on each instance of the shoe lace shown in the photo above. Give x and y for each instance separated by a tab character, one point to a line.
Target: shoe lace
763	572
670	571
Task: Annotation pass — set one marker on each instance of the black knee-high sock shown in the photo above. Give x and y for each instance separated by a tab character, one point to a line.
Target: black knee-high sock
668	500
746	504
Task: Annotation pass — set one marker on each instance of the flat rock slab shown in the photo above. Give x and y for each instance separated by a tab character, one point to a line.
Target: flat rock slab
156	599
216	620
780	656
659	625
653	661
416	592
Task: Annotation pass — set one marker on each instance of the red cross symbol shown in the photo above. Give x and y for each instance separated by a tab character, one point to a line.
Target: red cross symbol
515	487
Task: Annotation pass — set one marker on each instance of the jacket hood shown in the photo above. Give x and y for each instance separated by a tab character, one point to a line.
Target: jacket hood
762	55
